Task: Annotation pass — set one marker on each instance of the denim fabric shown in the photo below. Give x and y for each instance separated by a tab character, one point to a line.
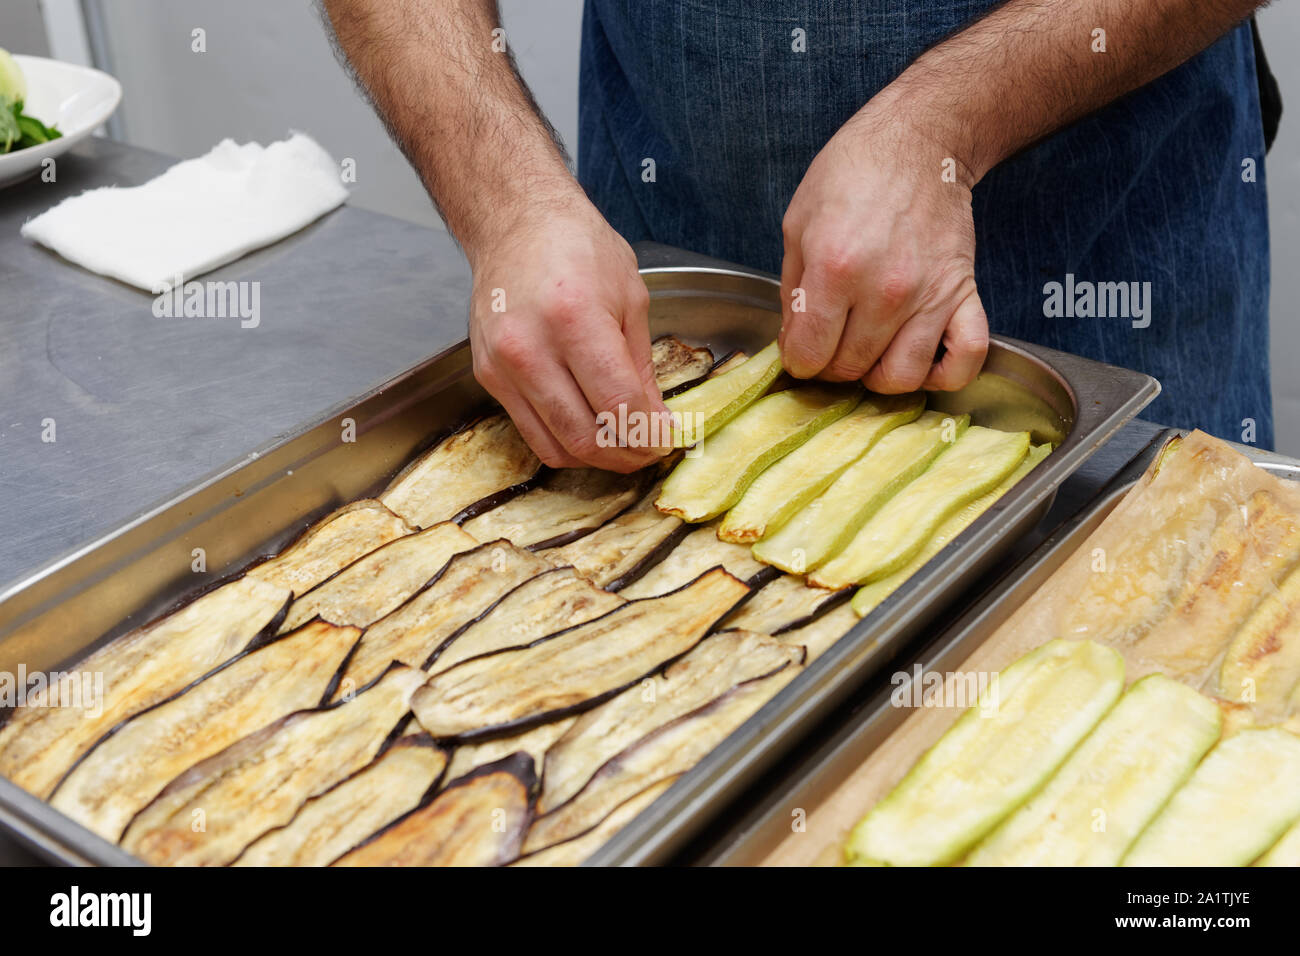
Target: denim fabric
1149	189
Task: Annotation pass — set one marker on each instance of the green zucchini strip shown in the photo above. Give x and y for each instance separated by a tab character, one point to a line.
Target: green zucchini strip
708	406
871	595
1112	786
708	483
1285	852
1240	800
976	464
999	752
829	522
806	472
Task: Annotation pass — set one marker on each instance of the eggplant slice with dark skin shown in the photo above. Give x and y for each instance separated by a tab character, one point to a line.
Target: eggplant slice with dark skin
576	669
669	750
785	603
331	544
470	582
131	765
534	743
487	463
477	820
574	851
694	554
369	588
393	784
564	506
551	601
40	743
624	548
208	814
488	458
718	663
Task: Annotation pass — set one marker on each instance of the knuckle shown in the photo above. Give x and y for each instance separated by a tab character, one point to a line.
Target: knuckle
511	348
563	302
896	288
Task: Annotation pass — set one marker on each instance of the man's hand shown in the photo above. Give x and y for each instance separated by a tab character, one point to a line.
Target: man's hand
558	332
880	256
881	244
558	312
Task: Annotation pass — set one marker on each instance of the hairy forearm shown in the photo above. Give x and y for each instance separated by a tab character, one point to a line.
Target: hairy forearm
1031	67
457	107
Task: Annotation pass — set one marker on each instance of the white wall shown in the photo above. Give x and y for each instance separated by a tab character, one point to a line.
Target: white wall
269	68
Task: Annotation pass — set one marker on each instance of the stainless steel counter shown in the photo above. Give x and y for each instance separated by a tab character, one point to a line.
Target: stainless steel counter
143	406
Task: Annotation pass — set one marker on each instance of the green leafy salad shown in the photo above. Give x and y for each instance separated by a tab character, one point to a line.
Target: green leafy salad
17	129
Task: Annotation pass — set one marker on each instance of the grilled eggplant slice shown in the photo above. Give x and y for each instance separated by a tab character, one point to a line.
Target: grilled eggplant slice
1126	769
478	820
574	852
783	604
1285	852
976	464
550	601
331	544
678	365
696	553
870	596
40	743
830	520
794	481
623	549
468	584
367	589
329	825
129	766
717	664
533	742
208	814
1242	798
997	753
1262	664
708	483
819	634
566	505
572	670
484	462
666	752
708	406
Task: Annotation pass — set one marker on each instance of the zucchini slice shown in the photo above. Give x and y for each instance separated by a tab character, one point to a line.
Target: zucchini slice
1285	852
871	595
1000	751
708	406
708	483
976	464
829	522
1262	664
806	472
1240	800
1112	786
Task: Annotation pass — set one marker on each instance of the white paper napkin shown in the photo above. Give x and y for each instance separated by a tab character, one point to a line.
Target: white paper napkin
199	214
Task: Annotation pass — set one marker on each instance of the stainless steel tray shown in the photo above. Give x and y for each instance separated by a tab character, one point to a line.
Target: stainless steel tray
260	502
810	781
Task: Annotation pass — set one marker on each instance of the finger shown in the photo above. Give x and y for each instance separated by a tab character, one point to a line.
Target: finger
605	371
812	336
545	445
863	343
555	396
907	361
966	344
636	333
791	270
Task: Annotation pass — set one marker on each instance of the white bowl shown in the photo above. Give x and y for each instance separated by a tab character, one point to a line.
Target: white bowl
76	99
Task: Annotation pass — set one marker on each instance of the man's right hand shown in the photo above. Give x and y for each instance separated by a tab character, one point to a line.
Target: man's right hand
559	333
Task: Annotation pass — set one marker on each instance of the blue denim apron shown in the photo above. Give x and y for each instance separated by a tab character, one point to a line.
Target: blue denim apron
1148	190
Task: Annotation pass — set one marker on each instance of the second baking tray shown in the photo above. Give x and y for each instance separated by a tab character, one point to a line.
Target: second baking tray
259	503
809	783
